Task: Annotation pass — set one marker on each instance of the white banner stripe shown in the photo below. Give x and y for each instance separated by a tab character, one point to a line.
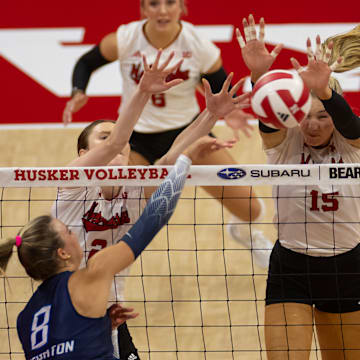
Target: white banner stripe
75	125
221	175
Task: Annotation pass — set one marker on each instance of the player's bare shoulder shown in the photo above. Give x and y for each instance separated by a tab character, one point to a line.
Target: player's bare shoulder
108	47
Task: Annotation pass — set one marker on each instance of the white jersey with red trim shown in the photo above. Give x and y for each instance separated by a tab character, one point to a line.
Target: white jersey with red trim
178	106
316	220
99	223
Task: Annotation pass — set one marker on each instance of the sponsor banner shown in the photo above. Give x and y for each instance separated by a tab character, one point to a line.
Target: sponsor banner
324	174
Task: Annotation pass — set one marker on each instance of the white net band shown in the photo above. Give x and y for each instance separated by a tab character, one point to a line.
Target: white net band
324	174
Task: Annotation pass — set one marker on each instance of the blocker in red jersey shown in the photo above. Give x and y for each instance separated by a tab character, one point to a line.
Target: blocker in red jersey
281	99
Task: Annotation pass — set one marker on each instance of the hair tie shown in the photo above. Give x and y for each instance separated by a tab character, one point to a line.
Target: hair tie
18	240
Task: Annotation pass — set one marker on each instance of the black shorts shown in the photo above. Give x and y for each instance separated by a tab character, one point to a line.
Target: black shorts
127	349
153	146
331	284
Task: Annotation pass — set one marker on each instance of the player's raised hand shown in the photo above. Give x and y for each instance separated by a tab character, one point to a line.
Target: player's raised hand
238	120
154	78
119	314
73	105
254	52
317	73
206	145
224	102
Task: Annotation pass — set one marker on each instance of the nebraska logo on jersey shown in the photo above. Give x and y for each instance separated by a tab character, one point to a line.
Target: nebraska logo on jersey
136	74
306	160
184	75
94	221
335	157
136	54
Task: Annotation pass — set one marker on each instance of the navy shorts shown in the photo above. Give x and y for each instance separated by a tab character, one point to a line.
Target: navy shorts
330	284
153	146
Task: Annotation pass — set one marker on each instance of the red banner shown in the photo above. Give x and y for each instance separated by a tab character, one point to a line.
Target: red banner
40	42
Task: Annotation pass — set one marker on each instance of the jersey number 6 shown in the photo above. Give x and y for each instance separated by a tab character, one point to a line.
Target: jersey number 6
158	100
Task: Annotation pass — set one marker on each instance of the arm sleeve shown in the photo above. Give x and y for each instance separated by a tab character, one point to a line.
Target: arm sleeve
88	63
159	208
266	129
345	121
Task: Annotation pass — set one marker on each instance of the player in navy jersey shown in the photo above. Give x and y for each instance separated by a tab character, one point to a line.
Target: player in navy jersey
167	114
66	318
314	274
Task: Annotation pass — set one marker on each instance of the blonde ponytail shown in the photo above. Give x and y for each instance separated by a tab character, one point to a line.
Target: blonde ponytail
6	251
348	47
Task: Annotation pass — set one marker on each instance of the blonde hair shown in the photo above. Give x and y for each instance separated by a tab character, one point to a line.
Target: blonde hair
38	250
348	47
182	4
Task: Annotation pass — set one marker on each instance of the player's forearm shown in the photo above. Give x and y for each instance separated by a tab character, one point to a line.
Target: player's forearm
159	208
129	115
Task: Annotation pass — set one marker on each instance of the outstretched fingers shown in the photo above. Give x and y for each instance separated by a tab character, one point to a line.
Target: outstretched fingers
237	86
318	48
246	30
227	82
309	51
262	30
158	56
252	29
327	53
296	65
240	39
175	67
207	87
276	51
167	61
67	114
173	83
145	63
336	64
222	144
242	101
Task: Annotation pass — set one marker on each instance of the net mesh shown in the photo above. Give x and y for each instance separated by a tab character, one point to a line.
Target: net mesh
199	293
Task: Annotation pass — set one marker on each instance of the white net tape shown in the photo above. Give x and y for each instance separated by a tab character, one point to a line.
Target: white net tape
325	174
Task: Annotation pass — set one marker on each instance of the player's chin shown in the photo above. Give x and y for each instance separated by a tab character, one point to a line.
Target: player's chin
314	140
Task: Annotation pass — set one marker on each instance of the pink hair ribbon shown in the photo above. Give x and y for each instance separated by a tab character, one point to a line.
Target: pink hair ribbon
18	241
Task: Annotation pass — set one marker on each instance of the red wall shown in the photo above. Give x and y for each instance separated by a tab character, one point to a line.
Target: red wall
24	100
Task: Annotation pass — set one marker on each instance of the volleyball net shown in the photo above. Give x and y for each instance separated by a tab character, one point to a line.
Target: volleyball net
199	293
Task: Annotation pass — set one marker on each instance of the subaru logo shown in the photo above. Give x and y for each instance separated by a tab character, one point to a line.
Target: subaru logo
231	173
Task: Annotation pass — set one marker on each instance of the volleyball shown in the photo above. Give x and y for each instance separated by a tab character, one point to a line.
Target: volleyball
280	99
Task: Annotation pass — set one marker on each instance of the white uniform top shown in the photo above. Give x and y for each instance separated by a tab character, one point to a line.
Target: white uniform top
178	106
99	223
316	220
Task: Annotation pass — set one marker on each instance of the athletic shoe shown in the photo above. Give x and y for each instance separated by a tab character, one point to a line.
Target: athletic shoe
259	244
